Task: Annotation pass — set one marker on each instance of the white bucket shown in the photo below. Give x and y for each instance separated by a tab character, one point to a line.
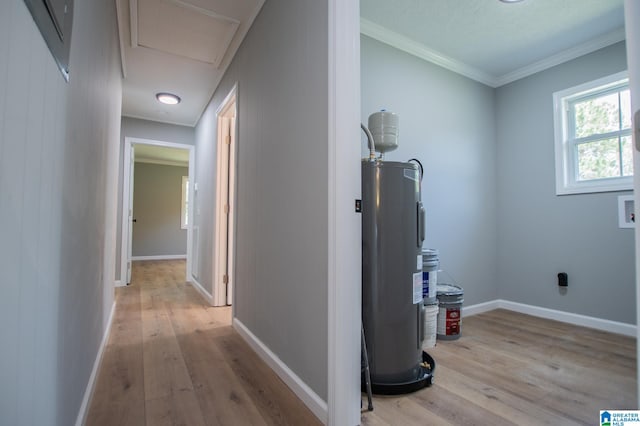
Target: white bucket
450	298
430	264
430	325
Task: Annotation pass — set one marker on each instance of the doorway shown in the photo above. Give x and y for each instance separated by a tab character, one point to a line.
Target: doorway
128	218
224	227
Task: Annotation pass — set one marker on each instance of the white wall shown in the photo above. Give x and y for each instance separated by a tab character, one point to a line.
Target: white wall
203	199
281	256
58	162
540	233
448	123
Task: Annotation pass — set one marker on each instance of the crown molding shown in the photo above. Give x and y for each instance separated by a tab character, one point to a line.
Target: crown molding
564	56
414	48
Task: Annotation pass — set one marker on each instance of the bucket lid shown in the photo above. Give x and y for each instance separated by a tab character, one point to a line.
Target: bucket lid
448	289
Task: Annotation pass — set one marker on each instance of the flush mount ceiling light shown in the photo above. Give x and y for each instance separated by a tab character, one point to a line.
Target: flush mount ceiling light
168	98
510	1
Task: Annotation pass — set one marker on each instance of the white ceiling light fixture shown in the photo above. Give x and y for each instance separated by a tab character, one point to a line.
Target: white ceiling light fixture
510	1
168	98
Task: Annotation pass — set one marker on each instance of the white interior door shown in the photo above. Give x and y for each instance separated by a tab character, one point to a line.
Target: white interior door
223	198
130	222
227	206
225	210
230	202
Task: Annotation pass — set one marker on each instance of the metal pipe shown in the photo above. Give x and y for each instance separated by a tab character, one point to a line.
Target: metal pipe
372	146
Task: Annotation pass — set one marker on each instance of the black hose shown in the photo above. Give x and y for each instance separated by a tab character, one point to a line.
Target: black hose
420	165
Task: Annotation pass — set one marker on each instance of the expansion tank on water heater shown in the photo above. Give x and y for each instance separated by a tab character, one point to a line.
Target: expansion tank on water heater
392	234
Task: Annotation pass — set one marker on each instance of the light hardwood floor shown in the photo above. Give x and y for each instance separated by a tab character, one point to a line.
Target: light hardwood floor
508	368
173	360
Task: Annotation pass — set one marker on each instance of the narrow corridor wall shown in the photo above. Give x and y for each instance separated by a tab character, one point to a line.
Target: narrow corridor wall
58	168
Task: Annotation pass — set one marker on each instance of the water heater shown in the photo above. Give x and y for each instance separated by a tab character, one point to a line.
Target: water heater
393	229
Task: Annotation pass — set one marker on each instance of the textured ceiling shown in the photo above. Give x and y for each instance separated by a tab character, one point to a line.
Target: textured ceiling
486	40
495	38
178	46
184	30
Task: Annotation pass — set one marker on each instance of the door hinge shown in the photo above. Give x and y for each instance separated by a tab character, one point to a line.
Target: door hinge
226	209
225	279
227	139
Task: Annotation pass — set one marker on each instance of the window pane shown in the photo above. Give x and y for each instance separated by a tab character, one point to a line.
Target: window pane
625	107
184	208
599	159
627	156
597	115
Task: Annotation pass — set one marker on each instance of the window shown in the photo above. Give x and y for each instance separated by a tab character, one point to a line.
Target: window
593	137
184	212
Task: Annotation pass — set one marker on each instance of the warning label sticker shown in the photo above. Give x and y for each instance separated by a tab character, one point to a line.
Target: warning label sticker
417	287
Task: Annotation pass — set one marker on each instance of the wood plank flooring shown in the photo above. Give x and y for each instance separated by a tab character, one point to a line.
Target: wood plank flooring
513	369
173	360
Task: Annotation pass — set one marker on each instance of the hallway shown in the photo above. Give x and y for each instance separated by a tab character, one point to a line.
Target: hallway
173	360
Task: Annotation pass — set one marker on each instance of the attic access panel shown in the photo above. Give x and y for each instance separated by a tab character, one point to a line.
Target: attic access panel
54	19
180	28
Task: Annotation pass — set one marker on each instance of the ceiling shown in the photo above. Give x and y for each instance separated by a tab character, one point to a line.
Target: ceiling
185	46
181	47
491	41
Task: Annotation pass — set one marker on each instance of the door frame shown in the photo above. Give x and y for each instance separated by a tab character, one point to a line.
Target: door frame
224	240
631	15
130	142
344	228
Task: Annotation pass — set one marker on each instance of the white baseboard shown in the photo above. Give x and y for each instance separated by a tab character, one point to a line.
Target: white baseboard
204	293
568	317
480	308
162	257
88	393
118	283
316	404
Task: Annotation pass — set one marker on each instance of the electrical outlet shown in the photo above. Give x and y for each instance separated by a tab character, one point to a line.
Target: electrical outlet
563	279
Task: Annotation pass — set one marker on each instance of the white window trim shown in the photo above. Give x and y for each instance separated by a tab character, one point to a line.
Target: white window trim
565	162
184	203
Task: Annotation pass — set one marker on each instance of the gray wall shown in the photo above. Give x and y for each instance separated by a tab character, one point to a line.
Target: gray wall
282	186
58	165
447	122
541	234
144	129
157	203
